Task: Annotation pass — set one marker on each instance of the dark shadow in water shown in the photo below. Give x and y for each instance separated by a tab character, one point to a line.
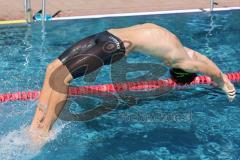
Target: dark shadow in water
130	101
175	140
112	103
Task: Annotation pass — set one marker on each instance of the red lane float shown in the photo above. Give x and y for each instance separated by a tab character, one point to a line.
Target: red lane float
117	87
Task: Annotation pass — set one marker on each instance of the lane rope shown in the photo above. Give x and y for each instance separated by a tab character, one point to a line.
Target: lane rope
117	87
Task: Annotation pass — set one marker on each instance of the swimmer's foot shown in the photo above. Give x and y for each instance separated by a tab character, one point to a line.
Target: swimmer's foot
39	117
38	138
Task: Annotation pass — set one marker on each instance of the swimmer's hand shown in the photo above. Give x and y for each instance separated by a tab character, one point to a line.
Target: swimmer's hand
228	88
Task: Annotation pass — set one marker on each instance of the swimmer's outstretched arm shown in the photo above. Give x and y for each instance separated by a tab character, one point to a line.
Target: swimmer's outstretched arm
206	66
200	63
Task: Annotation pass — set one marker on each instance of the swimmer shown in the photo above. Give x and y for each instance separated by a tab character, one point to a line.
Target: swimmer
109	46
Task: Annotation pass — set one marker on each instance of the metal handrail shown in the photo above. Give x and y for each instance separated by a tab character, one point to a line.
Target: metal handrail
28	10
211	5
43	10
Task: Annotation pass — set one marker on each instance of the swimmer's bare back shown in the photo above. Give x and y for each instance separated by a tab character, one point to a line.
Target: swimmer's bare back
152	39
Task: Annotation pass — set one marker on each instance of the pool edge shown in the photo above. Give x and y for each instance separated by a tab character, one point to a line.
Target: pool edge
127	14
146	13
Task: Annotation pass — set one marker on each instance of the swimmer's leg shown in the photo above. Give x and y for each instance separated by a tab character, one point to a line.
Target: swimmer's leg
60	83
54	94
45	94
82	58
52	69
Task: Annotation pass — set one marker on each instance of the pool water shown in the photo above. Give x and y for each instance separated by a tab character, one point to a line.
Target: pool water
192	123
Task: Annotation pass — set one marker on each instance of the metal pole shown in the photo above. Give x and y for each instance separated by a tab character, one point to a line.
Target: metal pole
25	6
211	5
43	10
28	10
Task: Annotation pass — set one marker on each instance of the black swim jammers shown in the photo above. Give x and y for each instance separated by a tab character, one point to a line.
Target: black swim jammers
89	54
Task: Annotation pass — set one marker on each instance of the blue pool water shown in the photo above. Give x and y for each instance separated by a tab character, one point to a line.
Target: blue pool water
193	123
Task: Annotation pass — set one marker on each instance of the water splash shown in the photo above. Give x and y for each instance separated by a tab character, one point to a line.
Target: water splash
18	145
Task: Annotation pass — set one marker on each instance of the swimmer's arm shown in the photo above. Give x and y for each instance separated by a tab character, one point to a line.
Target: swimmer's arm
202	58
208	69
200	63
203	64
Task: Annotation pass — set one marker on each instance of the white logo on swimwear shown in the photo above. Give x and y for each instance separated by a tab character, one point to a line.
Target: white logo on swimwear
116	42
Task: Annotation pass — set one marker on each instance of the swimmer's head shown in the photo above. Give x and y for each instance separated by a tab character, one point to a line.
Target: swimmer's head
182	77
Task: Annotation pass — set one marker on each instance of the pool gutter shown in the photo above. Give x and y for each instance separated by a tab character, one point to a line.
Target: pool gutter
127	14
13	22
145	13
